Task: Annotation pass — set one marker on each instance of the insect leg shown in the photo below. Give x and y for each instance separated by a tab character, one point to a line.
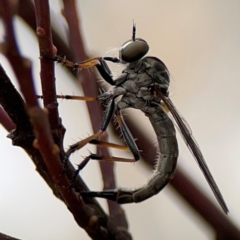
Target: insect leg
105	71
129	140
128	137
111	59
91	140
118	195
126	134
97	62
106	120
84	64
70	97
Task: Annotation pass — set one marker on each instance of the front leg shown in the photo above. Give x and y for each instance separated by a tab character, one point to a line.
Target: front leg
97	62
105	71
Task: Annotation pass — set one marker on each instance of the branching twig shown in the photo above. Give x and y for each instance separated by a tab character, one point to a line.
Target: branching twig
93	219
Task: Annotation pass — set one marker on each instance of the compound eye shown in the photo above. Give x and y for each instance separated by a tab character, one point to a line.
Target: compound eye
132	51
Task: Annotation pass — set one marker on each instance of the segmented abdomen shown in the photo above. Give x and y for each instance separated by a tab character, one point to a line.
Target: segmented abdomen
168	154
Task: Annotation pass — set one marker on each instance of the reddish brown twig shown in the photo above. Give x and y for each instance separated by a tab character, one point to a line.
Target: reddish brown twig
96	114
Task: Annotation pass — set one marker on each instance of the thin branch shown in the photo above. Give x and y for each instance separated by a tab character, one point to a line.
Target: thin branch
6	237
13	104
46	48
82	213
96	114
23	135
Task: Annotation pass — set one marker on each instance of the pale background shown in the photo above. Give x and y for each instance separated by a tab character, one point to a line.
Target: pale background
199	41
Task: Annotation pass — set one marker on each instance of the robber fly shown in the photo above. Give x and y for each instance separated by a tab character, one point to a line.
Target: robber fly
143	85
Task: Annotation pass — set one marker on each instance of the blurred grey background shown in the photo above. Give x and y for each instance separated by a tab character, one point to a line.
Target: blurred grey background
199	41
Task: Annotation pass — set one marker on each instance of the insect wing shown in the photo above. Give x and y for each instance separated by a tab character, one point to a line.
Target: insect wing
192	145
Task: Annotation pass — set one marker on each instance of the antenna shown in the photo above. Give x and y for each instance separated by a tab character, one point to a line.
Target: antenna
133	31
